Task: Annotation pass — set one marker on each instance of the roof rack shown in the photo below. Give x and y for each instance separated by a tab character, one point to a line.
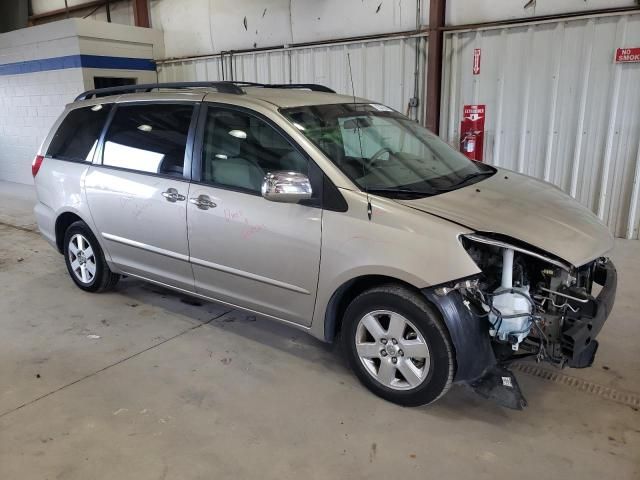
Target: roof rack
222	87
302	86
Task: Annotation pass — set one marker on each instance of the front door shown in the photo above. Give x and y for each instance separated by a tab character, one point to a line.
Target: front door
137	196
246	250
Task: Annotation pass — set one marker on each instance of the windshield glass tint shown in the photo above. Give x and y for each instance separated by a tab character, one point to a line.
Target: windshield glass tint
380	149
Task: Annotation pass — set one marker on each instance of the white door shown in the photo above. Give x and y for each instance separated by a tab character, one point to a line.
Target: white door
137	195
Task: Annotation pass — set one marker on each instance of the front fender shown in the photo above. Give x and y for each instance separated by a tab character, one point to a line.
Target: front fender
398	243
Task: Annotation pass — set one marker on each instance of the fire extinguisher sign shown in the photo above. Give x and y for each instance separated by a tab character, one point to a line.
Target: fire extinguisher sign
472	132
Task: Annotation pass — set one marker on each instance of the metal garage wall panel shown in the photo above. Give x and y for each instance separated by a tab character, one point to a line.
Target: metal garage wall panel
464	12
383	70
558	107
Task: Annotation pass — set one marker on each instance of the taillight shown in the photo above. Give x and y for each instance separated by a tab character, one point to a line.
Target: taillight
35	166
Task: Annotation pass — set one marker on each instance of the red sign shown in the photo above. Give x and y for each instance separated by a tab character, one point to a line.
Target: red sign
628	55
477	55
472	132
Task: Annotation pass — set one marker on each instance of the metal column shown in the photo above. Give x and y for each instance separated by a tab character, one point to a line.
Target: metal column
437	9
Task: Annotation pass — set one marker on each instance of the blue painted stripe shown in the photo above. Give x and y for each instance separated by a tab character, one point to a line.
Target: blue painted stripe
77	61
119	63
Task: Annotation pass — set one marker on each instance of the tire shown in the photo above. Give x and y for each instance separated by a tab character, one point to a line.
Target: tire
420	376
85	260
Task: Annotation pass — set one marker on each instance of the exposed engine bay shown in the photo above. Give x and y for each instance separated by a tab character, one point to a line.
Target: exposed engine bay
531	301
532	304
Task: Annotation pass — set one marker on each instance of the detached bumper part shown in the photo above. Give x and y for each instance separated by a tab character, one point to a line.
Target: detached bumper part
578	336
468	334
476	362
500	385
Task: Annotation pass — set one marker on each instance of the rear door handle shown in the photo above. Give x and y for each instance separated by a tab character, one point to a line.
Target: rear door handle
173	196
203	202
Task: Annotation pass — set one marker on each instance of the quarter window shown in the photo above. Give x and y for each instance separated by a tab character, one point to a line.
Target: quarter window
149	138
77	137
240	149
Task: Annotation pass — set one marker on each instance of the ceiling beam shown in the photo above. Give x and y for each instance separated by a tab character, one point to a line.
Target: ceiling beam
70	9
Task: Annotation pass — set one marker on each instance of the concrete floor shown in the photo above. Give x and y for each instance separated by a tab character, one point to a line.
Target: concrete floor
145	384
16	204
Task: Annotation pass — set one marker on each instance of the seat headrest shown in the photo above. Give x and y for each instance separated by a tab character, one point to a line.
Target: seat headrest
230	133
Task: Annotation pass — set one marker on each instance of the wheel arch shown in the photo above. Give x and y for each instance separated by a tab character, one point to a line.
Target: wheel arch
63	221
349	290
471	345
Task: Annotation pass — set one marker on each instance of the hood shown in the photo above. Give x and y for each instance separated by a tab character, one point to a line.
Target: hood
526	209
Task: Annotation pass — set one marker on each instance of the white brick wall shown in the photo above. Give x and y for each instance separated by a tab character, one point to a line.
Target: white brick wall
29	104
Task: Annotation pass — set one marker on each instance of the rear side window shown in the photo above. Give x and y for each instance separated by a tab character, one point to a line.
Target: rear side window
148	138
77	137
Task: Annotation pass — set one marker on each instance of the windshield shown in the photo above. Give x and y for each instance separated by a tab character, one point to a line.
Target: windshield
384	152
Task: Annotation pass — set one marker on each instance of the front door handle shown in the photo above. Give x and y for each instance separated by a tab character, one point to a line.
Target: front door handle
173	196
203	202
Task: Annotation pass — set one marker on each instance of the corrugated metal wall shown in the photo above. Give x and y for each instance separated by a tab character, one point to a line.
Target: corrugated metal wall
558	108
384	70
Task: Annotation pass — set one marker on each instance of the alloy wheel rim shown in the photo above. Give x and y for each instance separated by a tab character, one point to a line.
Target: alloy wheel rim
392	350
82	258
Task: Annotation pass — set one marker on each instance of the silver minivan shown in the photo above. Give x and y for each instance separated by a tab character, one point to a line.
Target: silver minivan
335	215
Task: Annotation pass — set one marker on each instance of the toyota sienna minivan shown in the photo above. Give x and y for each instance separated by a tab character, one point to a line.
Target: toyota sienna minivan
333	214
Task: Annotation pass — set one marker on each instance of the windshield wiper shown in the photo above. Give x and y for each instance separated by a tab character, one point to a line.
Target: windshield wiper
399	191
465	179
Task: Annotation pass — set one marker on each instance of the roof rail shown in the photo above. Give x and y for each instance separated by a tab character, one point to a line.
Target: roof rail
222	87
303	86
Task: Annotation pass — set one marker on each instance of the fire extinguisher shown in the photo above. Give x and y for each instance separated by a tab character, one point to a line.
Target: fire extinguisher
470	144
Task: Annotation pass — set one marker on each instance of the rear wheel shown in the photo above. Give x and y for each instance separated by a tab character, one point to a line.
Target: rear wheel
85	260
398	346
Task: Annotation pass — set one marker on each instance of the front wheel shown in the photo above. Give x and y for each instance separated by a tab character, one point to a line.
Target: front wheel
85	259
398	346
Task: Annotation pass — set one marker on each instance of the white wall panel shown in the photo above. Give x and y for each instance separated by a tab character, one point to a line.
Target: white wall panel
314	20
201	27
204	27
383	70
462	12
558	108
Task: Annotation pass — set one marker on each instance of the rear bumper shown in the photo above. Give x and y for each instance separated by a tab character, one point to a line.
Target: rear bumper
581	328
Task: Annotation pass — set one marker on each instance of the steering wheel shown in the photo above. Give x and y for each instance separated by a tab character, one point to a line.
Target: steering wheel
376	156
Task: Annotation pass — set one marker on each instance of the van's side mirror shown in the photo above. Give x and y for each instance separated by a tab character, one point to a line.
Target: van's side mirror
286	187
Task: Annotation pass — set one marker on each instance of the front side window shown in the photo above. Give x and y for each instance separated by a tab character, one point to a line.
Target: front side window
384	152
149	138
77	137
239	149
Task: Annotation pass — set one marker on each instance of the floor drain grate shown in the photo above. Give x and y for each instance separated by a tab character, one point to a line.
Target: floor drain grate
625	398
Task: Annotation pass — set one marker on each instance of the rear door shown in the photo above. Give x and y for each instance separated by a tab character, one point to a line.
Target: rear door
137	192
246	250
